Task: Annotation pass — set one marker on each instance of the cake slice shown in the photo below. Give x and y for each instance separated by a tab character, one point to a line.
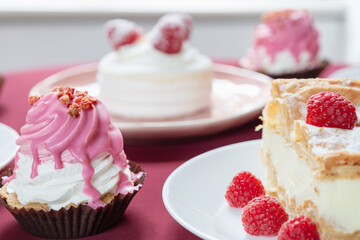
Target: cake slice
313	170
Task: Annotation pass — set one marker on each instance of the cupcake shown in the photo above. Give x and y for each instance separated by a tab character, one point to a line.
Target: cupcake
157	75
286	45
71	176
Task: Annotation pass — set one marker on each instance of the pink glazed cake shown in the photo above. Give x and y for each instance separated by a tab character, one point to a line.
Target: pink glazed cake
71	167
286	44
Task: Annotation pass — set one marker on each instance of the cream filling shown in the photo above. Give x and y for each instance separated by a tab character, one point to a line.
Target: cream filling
337	200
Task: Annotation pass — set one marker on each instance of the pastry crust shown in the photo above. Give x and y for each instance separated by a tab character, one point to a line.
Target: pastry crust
285	115
288	106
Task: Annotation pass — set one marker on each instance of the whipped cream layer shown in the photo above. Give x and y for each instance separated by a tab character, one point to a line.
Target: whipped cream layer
64	186
283	62
64	158
336	200
139	81
285	42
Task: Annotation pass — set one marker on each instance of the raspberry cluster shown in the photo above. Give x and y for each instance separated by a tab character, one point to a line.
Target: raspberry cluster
263	215
167	36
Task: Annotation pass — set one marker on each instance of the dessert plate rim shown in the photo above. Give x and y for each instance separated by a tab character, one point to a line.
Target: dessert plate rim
209	174
171	129
351	71
8	150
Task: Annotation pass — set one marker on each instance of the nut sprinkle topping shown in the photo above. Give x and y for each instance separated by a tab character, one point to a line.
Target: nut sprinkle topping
33	99
75	100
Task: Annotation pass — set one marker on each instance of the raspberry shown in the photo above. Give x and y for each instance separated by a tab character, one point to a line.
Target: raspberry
122	32
263	216
243	188
169	33
299	228
330	109
188	23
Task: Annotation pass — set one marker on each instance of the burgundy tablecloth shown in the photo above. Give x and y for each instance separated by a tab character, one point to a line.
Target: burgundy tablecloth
146	217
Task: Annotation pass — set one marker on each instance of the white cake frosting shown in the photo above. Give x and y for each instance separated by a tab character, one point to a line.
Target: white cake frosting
138	81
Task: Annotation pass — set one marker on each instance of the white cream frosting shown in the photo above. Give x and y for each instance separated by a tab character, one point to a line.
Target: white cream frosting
284	62
336	199
63	186
139	81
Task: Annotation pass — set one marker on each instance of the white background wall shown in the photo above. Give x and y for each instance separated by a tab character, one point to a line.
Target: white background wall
44	33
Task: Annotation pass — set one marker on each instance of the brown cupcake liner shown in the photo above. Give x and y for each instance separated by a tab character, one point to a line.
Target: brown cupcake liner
312	73
1	81
75	222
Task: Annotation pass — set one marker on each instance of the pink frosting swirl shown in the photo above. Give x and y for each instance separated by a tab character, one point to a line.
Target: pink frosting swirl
50	130
288	30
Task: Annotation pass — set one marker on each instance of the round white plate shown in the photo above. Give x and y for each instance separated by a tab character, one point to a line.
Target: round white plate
194	193
8	148
347	72
238	96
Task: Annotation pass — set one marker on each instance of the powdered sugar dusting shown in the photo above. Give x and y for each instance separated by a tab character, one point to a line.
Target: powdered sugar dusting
121	28
324	140
300	106
357	109
122	32
171	19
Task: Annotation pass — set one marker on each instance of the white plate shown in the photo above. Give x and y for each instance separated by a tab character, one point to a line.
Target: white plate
238	96
347	72
194	193
8	148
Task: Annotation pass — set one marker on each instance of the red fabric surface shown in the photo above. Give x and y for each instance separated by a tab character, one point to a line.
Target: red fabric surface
146	216
332	68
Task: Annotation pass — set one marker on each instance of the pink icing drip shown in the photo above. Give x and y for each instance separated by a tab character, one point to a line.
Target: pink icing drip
85	137
294	33
126	185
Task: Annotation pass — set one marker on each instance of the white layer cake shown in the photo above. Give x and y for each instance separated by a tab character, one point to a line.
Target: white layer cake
314	171
138	81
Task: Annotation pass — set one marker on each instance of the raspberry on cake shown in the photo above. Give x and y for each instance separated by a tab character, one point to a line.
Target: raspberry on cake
170	33
329	109
313	169
122	32
157	75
